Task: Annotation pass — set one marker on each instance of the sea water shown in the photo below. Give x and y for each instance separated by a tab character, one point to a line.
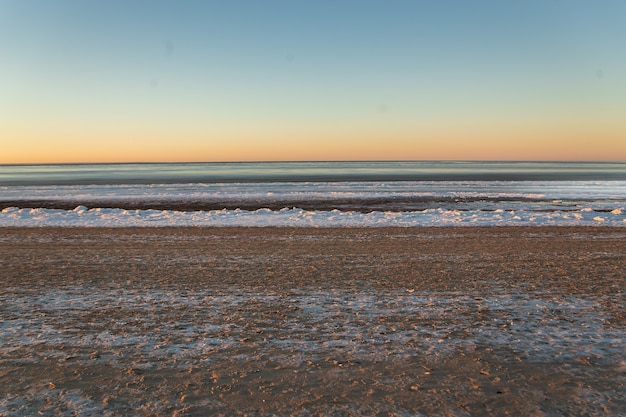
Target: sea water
314	194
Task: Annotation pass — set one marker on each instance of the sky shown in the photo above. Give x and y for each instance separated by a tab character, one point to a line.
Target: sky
173	81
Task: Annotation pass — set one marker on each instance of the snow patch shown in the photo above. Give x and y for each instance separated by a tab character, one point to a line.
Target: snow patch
294	217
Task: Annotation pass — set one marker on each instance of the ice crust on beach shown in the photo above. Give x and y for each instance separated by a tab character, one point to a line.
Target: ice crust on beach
294	217
537	328
185	329
459	313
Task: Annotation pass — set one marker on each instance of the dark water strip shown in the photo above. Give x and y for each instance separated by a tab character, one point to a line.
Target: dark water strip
363	205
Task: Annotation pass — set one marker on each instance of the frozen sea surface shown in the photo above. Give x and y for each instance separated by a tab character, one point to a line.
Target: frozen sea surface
314	194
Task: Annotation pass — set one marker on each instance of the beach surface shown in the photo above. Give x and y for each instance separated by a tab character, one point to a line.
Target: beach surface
465	321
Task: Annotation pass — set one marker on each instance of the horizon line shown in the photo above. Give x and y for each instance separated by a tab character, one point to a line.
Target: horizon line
295	161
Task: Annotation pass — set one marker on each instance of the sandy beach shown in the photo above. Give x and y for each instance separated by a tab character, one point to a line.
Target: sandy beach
299	321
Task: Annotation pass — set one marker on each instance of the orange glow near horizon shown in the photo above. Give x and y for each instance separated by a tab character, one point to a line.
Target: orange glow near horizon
520	144
563	139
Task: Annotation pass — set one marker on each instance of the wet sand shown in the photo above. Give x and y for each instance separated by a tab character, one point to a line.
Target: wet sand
280	321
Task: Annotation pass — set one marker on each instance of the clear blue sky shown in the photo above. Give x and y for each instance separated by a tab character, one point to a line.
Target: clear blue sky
261	80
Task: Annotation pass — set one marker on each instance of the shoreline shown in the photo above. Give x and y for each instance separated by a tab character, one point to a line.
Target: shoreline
261	321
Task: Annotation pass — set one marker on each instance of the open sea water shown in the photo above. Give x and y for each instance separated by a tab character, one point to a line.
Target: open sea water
314	194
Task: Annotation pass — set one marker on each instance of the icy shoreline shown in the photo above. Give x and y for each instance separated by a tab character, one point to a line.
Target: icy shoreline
293	217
